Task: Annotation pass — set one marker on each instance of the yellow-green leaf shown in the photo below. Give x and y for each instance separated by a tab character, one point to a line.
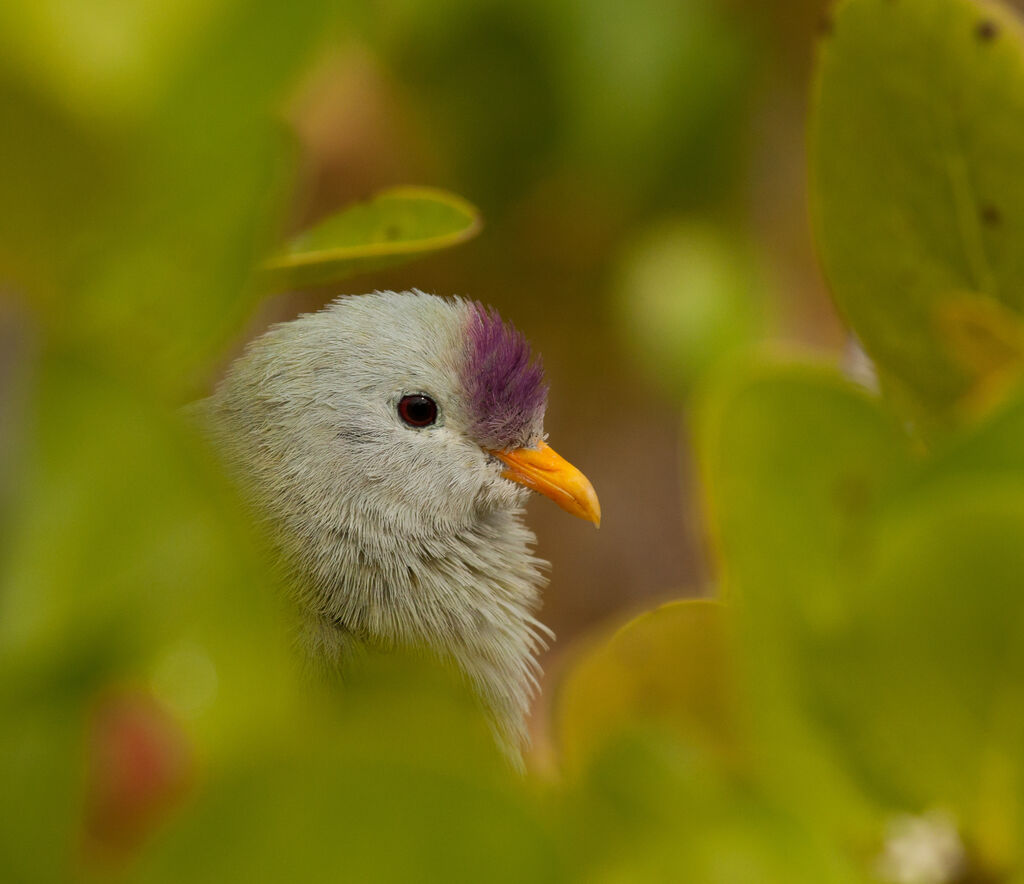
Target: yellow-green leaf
393	227
986	339
917	142
797	463
668	668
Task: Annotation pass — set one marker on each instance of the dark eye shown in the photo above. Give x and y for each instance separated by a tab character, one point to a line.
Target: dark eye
417	410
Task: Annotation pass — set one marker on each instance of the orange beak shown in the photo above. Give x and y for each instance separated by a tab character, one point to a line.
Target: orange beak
543	469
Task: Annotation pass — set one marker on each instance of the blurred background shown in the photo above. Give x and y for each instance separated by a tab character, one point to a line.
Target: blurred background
641	172
641	175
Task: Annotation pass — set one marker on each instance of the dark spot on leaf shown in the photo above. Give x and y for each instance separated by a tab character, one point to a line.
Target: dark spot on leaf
852	495
391	232
826	24
987	30
974	872
991	216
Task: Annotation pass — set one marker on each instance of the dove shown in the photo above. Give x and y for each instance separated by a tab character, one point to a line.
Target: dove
388	443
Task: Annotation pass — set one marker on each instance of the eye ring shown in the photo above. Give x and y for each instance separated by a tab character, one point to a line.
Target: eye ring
417	410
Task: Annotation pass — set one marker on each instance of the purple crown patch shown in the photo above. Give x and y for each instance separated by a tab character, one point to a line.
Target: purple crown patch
506	388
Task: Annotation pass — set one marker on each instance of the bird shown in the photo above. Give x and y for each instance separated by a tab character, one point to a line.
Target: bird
388	442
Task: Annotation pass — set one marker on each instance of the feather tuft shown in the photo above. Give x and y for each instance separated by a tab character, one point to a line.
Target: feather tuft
505	384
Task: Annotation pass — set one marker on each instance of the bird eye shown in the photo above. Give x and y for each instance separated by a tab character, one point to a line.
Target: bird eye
417	410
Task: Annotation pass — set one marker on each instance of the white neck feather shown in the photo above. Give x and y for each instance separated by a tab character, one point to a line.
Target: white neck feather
438	594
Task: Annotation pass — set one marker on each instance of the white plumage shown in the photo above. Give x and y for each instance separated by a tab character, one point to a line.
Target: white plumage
395	536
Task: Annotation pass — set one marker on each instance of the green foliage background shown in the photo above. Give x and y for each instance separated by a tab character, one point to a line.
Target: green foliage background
865	660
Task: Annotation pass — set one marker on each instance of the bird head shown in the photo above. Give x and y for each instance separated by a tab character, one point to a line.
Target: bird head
403	409
390	440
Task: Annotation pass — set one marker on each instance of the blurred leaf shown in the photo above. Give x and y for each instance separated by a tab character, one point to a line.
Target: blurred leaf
41	786
212	179
99	59
797	463
392	227
410	708
880	609
128	561
651	811
157	254
149	535
986	340
993	447
916	150
920	678
293	819
689	298
395	775
60	177
669	668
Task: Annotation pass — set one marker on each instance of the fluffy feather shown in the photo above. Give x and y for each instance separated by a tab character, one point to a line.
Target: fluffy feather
393	536
505	386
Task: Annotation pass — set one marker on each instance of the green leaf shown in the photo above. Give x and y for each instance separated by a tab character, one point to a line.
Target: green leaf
650	810
153	545
126	561
99	60
377	821
60	176
669	668
921	677
917	141
41	755
986	340
992	447
396	772
797	462
879	606
392	227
